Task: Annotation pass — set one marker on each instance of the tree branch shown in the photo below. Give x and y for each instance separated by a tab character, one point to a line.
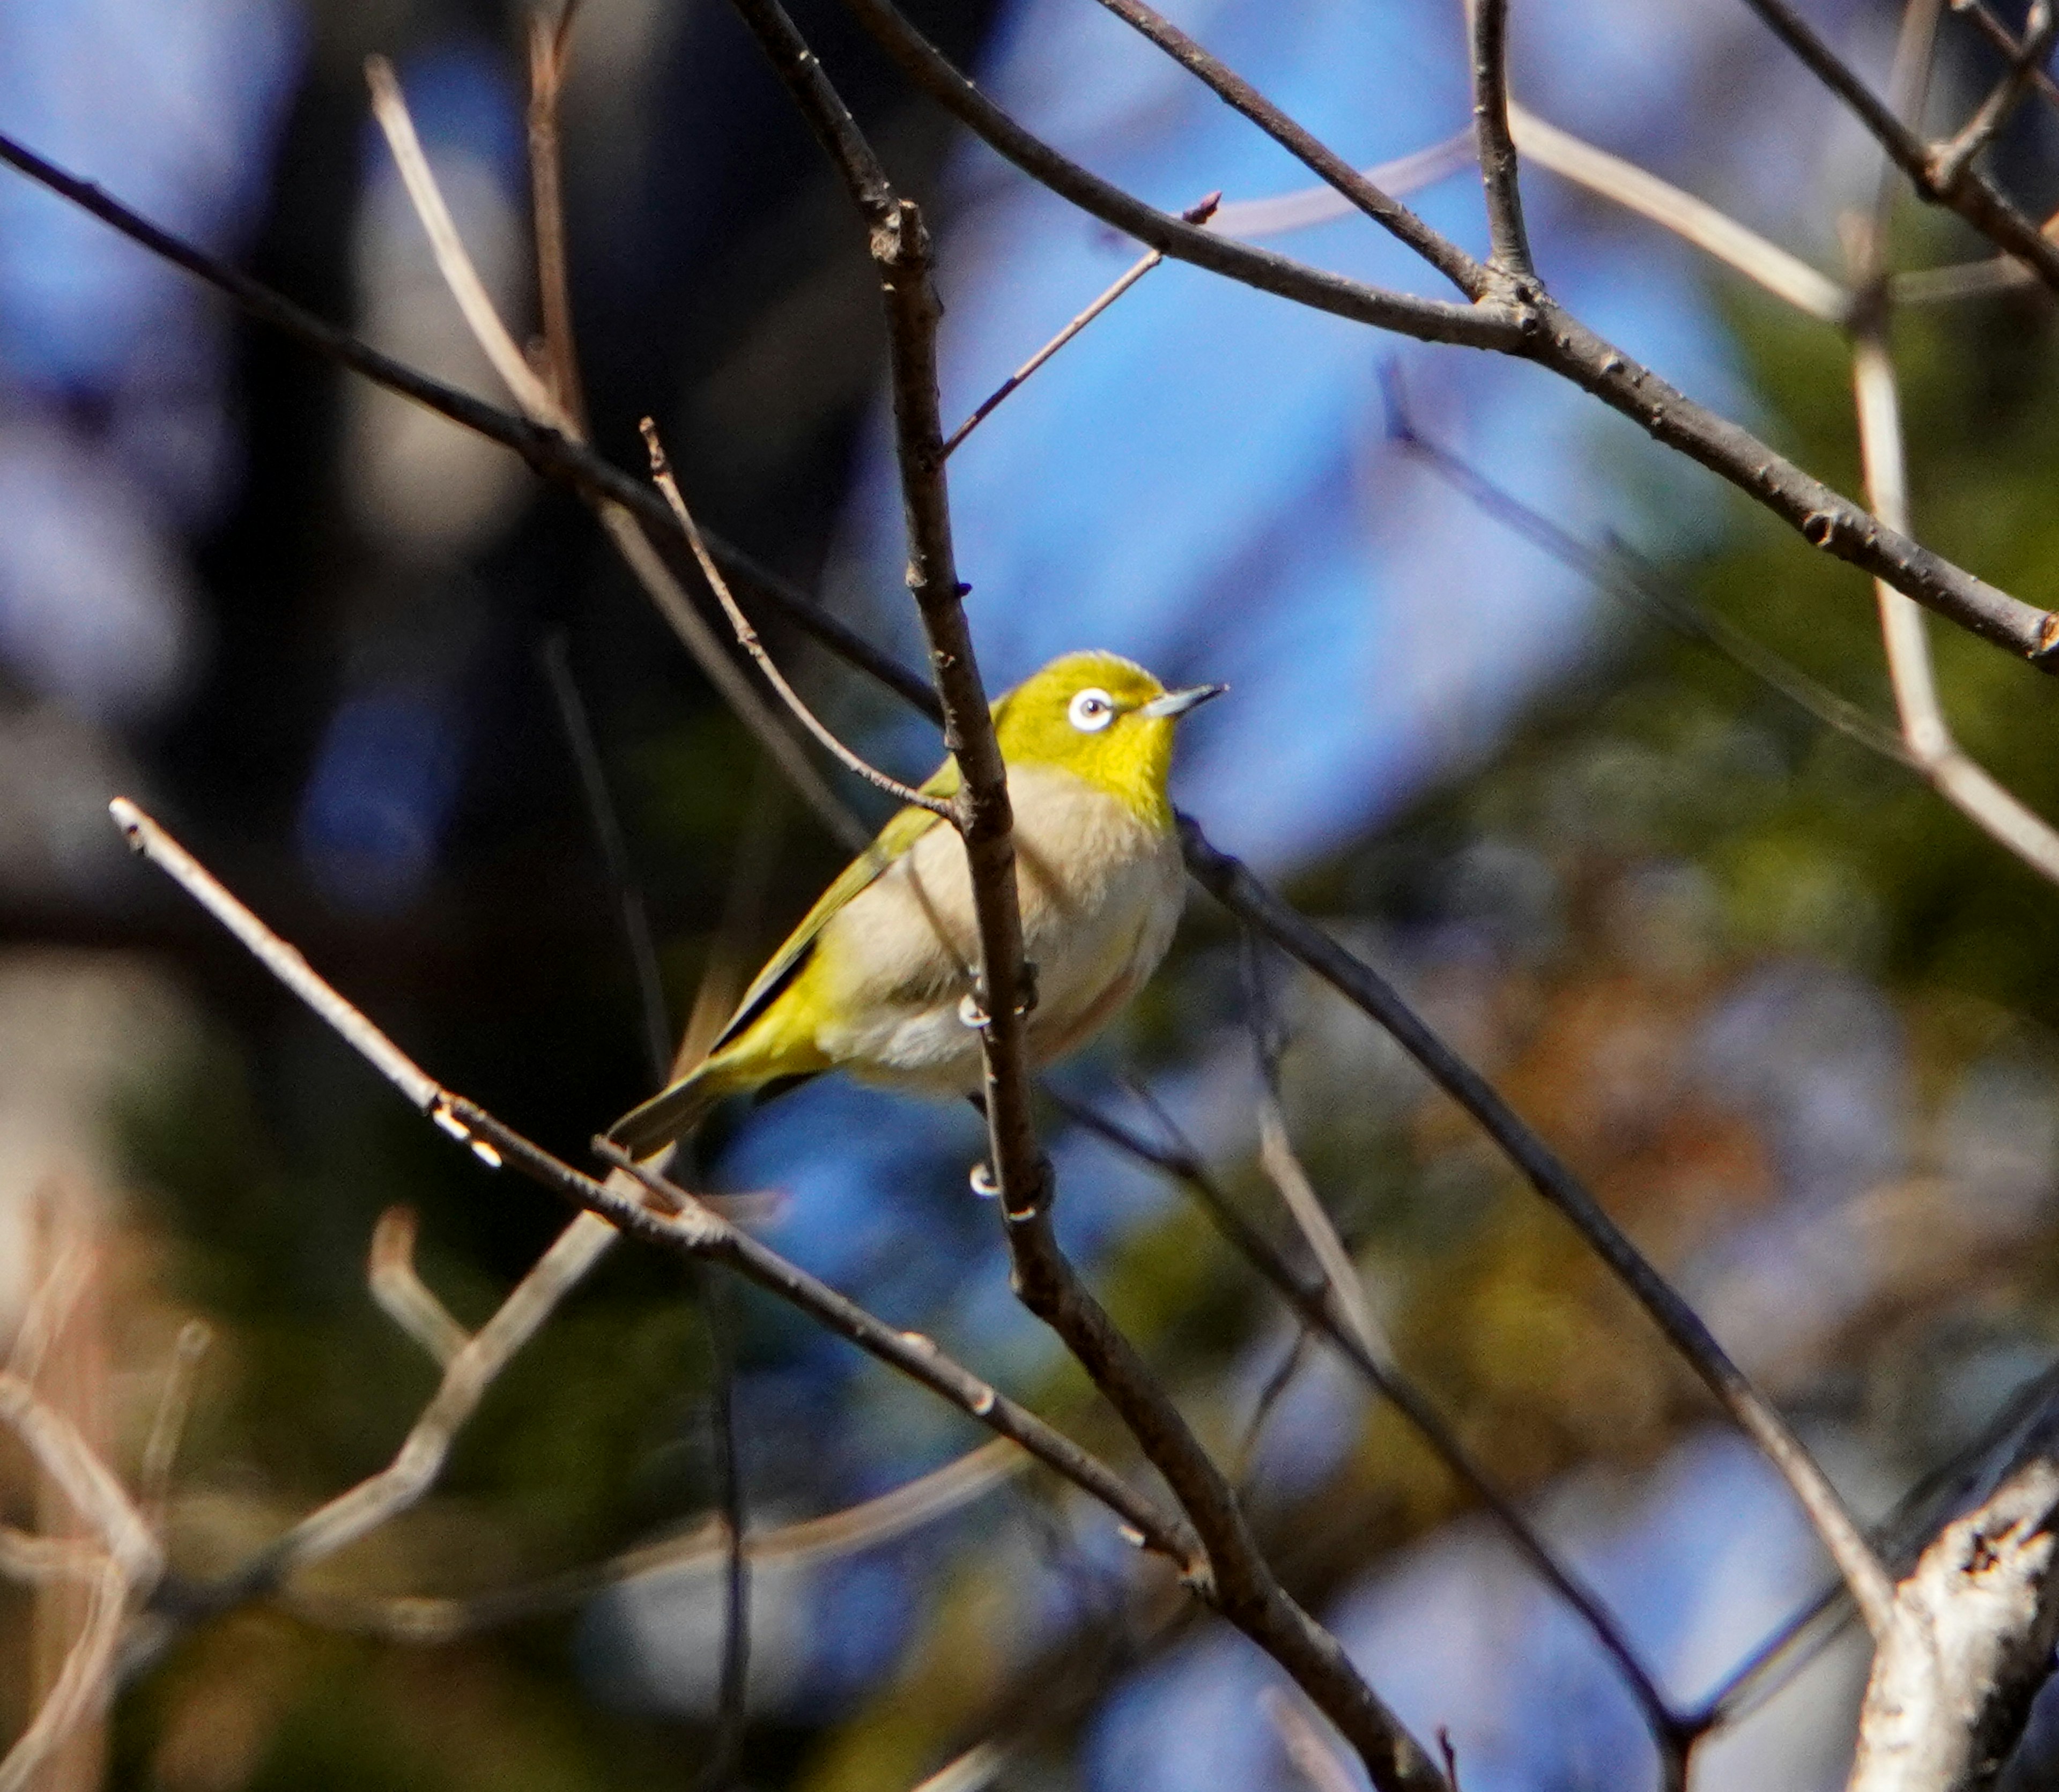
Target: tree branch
1234	91
1227	880
696	1232
1543	331
1500	177
1961	189
1969	1644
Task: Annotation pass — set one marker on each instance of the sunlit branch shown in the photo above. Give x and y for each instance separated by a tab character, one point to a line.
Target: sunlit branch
1196	214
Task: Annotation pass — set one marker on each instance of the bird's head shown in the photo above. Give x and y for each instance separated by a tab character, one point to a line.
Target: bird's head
1103	719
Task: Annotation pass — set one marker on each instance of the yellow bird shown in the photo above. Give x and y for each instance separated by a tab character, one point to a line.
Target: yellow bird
877	978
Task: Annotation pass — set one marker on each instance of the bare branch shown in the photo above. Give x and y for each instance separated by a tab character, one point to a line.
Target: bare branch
1314	1303
59	1285
84	1479
697	1231
541	406
746	636
1325	204
1226	879
974	1771
1195	214
1694	220
556	659
1953	158
2004	40
161	1449
1234	91
1238	1582
1967	191
1546	333
403	1295
417	1618
1618	573
550	55
1499	177
1969	1644
81	1686
537	400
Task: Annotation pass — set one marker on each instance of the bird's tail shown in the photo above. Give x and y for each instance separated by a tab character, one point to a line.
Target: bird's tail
674	1112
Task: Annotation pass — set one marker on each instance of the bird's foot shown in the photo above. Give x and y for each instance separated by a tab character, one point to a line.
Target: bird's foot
975	1010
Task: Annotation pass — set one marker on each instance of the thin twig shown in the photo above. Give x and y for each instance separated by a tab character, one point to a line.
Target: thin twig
1499	177
1954	157
381	1498
1622	577
732	1689
1225	878
746	636
1198	213
1824	519
431	1619
550	55
2005	40
403	1295
81	1687
1235	92
1325	204
84	1479
616	862
1968	192
1694	221
542	406
68	1242
36	1560
161	1448
1904	630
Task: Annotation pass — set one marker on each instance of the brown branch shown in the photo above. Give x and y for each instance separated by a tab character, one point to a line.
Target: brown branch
1313	1303
1954	157
1825	519
1544	332
1227	880
746	637
1237	1581
1962	188
1499	177
430	1619
550	454
550	56
2005	40
1449	260
696	1232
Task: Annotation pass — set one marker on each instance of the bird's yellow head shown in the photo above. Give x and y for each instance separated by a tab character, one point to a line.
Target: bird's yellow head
1103	719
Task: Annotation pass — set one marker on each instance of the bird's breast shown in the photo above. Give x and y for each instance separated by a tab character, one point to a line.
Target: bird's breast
1100	889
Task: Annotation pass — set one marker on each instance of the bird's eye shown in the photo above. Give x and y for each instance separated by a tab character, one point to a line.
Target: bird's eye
1091	711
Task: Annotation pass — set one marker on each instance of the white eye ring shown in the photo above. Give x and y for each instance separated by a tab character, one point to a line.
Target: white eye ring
1090	711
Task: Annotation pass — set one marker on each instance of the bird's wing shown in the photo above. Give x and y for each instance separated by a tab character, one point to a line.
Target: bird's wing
892	841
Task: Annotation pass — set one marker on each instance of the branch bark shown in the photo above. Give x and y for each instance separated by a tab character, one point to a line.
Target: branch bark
1969	1644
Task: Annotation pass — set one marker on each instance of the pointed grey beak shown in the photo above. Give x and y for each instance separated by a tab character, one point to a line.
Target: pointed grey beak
1178	703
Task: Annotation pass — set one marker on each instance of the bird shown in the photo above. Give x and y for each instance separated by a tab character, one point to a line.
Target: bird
878	981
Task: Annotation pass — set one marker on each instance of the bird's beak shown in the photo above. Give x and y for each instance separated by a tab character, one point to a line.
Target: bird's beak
1178	703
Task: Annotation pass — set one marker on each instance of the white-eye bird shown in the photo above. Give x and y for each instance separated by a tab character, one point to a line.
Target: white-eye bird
877	978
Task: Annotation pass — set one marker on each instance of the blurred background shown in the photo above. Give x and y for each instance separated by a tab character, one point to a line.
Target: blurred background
1789	1015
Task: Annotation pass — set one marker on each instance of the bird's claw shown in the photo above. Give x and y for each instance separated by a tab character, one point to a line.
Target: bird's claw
974	1010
